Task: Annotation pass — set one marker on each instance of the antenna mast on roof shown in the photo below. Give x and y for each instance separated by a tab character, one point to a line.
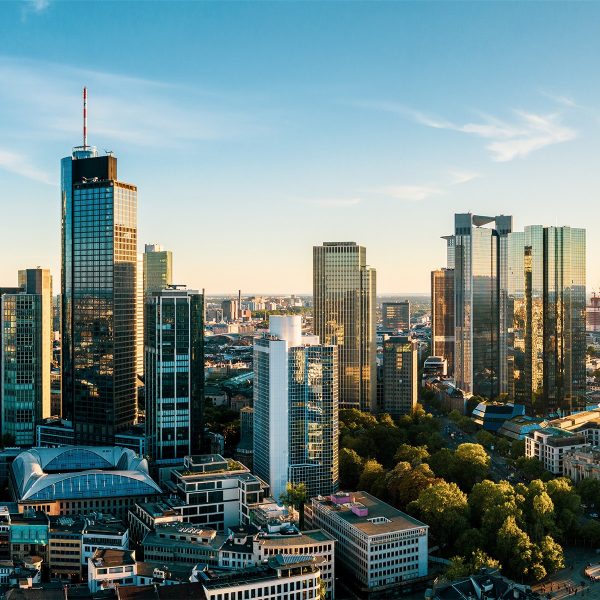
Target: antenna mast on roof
84	118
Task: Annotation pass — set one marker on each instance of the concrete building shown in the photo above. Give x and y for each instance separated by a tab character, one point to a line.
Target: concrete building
344	301
81	480
377	544
217	492
582	463
435	366
395	316
147	516
26	355
400	379
295	425
244	452
550	444
174	380
231	310
442	315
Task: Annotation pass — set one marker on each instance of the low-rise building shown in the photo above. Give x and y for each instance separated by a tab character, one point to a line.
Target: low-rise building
64	547
549	445
518	428
146	516
492	415
108	568
435	366
29	534
217	492
380	546
582	463
282	578
103	531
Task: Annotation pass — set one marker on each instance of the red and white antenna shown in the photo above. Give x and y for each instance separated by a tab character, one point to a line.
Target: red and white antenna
85	117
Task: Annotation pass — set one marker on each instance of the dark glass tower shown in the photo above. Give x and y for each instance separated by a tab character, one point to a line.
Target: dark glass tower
98	284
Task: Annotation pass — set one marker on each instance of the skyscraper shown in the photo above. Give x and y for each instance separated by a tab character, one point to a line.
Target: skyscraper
400	379
442	315
158	268
98	283
174	374
396	315
546	299
344	292
230	310
26	355
295	409
480	258
139	316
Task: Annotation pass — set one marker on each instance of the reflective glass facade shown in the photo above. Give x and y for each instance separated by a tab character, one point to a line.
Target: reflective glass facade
313	419
99	262
174	374
344	292
396	315
400	380
158	269
480	258
548	318
442	315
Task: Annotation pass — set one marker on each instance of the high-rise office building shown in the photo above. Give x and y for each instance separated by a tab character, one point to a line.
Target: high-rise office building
480	259
230	310
174	374
26	355
546	308
98	283
139	316
396	315
400	379
344	292
158	268
442	315
295	424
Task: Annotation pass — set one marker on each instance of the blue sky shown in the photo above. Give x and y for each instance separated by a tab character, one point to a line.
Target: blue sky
255	130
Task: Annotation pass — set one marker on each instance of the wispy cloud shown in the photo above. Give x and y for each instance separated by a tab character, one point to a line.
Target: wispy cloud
460	177
409	193
33	7
46	97
334	201
508	140
17	163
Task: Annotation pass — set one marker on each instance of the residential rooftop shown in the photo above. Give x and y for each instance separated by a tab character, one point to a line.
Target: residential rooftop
107	557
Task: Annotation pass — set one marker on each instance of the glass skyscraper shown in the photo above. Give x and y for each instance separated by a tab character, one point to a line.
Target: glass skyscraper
400	379
158	268
98	283
442	315
295	409
547	296
174	374
480	271
344	296
396	315
26	355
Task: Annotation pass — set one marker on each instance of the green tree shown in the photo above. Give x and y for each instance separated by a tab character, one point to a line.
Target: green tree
442	463
530	468
351	466
443	506
567	506
295	495
515	550
404	483
414	455
371	472
458	568
589	490
517	449
471	465
485	438
455	416
551	555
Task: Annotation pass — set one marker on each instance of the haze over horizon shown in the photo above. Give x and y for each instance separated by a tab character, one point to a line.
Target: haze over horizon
279	127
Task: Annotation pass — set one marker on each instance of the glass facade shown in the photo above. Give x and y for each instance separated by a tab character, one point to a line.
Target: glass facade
547	300
480	258
400	379
158	269
99	263
396	315
344	293
313	418
174	374
442	315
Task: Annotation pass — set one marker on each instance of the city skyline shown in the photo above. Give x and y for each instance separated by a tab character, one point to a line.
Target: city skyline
515	132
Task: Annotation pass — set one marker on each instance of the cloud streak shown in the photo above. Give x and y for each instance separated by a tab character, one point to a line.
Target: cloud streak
506	141
18	164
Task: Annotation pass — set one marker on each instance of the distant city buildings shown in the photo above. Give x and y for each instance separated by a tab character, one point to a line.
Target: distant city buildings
295	423
26	356
396	315
174	374
344	293
98	285
400	378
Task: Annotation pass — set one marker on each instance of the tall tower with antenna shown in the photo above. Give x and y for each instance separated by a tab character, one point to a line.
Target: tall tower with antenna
98	285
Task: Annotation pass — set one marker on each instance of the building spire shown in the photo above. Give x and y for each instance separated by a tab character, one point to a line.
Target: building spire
85	118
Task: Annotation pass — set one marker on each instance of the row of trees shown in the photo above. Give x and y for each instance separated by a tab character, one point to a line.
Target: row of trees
474	521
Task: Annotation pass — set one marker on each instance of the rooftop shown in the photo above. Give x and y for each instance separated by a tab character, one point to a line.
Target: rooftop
315	536
381	518
106	557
